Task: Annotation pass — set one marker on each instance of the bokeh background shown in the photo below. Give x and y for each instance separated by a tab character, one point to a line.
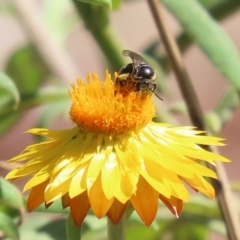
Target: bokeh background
135	29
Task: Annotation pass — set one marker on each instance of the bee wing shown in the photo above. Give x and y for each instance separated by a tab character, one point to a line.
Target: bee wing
136	58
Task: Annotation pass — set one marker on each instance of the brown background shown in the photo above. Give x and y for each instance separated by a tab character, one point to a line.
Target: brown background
134	24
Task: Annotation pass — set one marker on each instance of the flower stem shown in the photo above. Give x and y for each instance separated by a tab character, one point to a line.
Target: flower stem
222	188
110	46
73	232
117	231
96	20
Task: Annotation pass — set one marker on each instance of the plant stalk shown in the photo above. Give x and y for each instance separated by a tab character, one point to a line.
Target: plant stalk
117	231
56	58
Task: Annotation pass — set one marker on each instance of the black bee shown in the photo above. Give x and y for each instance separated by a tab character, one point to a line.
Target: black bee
136	77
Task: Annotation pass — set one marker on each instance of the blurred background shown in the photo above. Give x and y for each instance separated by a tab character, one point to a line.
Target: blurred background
35	30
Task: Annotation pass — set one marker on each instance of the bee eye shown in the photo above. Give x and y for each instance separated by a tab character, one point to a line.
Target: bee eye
146	72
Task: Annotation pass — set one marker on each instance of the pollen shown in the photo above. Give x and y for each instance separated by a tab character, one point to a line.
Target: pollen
95	108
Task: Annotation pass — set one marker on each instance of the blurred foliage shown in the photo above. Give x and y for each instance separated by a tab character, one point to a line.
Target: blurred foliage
23	86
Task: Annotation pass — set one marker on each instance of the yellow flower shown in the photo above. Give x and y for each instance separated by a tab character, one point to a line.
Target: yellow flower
115	156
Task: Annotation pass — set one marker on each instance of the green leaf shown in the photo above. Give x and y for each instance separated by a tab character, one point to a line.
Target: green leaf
27	69
13	213
73	232
8	227
105	3
10	195
6	83
208	4
209	36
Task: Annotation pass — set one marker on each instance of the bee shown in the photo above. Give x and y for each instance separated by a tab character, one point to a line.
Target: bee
136	77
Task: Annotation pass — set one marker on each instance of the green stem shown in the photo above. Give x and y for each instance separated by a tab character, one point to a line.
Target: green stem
96	19
43	96
73	232
117	231
106	39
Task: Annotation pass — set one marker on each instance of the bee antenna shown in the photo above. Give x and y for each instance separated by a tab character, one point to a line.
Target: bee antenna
157	96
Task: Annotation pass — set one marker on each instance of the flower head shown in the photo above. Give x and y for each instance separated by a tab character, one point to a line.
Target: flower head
115	156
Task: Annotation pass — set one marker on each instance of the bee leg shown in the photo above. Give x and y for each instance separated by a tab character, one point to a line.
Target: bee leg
119	86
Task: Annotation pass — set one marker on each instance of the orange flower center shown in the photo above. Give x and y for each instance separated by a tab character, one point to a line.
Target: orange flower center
95	108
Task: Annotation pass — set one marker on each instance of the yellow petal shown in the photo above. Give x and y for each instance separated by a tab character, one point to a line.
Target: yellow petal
201	185
110	176
128	158
99	203
155	175
53	193
115	156
179	190
94	168
78	183
128	186
40	177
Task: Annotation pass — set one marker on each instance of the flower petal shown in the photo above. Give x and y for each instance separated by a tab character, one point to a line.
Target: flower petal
65	201
115	156
36	196
145	201
78	183
128	186
161	186
174	204
201	185
53	193
116	211
99	203
79	206
110	176
40	177
94	168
